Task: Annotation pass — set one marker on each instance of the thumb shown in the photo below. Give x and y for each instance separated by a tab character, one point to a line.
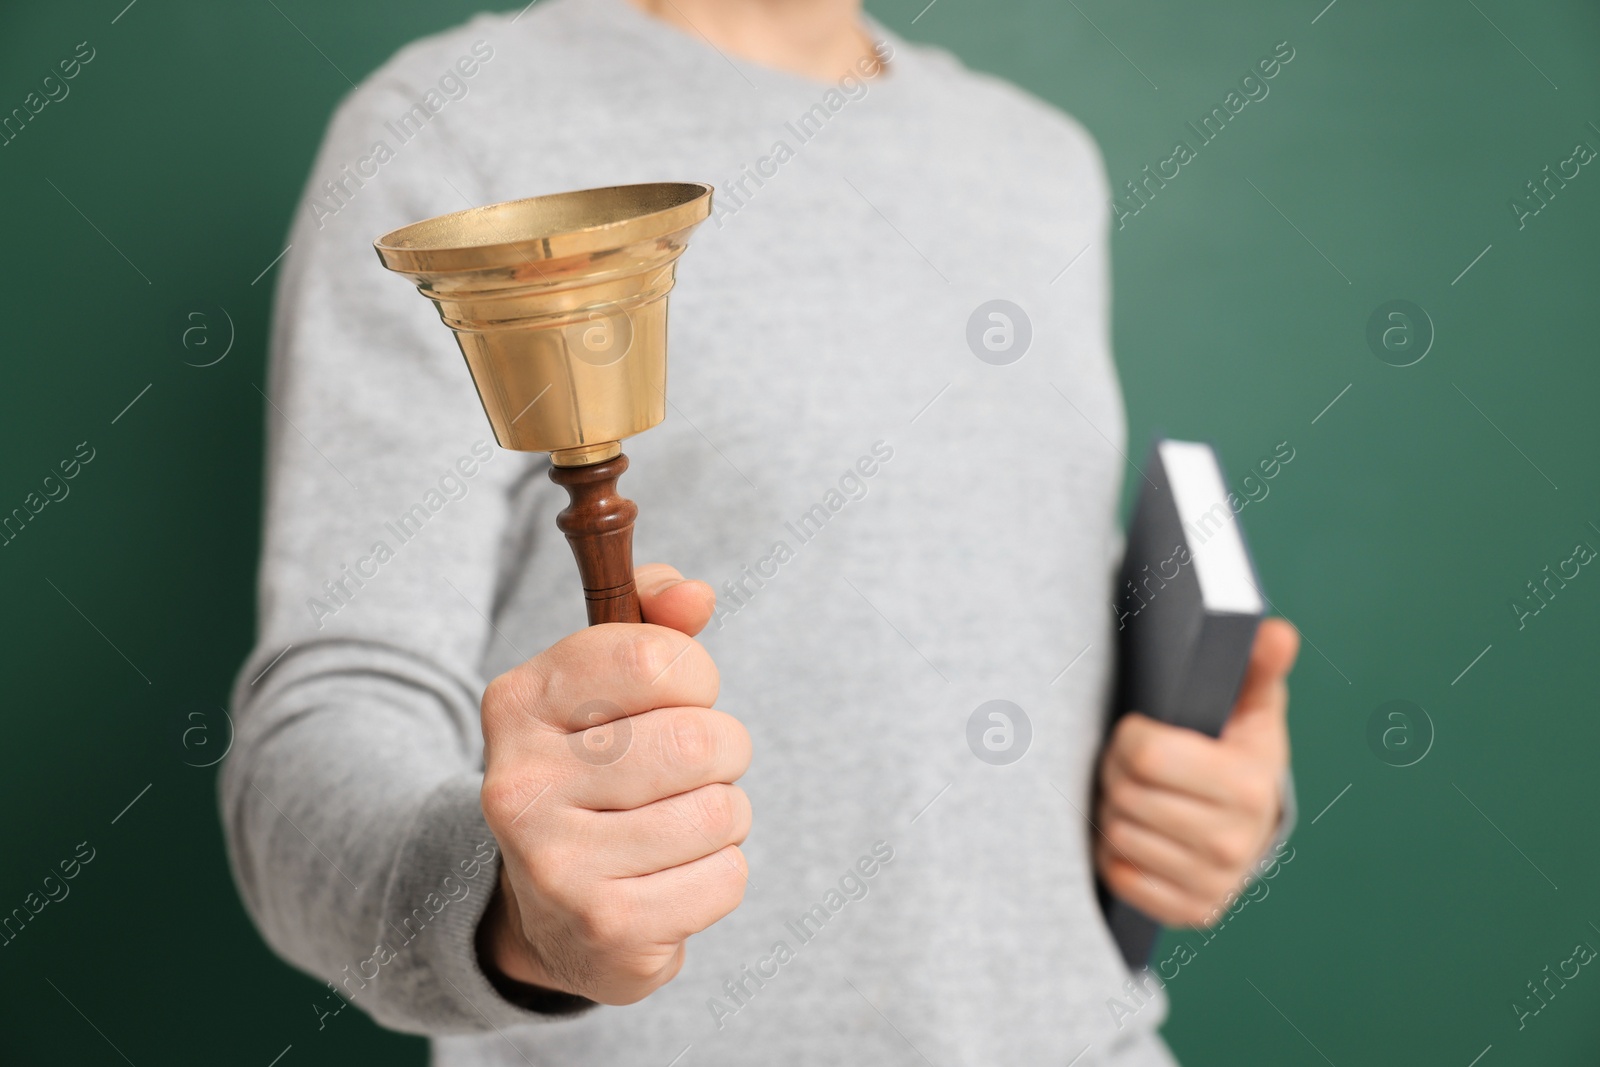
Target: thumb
667	598
1263	705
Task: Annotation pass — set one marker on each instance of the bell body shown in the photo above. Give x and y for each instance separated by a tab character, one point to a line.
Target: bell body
559	305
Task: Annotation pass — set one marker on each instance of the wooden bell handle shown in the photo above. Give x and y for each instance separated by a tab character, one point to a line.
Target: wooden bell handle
599	526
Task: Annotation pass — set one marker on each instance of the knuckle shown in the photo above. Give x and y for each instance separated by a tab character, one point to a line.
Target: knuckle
499	700
718	813
510	697
735	731
690	739
648	653
710	676
740	867
1147	757
732	878
745	814
494	694
501	799
1135	729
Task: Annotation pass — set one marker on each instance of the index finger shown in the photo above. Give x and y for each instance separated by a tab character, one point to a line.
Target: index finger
1173	758
606	672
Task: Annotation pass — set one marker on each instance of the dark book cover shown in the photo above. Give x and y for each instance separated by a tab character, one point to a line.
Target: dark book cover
1187	606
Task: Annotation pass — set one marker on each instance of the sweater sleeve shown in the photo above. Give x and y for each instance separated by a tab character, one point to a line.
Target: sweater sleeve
350	798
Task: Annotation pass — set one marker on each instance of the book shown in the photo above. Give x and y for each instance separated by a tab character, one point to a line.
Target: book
1187	606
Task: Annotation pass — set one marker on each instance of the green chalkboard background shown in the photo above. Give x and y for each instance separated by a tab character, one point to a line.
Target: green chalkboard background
1381	167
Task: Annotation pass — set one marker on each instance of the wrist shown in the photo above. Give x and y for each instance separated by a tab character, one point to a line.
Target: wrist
504	951
508	961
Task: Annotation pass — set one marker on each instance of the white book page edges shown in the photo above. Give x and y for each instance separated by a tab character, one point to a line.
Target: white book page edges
1227	583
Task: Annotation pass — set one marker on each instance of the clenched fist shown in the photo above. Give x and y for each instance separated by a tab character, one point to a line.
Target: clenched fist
1183	817
608	782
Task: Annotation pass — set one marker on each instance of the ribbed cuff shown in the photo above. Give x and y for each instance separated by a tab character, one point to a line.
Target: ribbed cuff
429	978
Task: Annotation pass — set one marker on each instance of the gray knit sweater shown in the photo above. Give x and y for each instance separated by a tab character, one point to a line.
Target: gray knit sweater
904	493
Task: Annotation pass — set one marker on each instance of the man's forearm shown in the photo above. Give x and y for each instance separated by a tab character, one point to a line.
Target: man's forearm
351	810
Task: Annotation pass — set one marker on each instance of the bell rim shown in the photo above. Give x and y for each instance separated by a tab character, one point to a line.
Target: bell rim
434	245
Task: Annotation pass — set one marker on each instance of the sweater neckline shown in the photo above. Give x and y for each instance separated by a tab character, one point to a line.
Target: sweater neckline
689	46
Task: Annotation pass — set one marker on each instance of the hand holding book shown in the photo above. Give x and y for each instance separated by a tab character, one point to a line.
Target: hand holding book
1183	817
1198	749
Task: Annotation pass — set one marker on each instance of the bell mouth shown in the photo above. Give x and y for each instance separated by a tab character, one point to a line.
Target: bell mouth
543	228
